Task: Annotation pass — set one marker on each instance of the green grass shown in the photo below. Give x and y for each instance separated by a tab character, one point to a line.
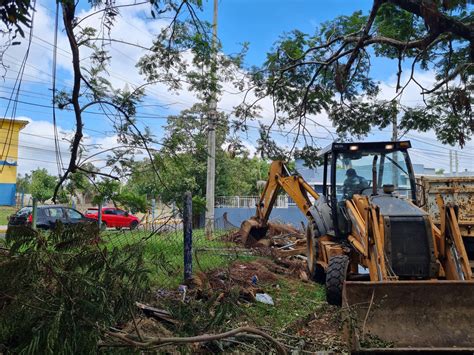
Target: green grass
6	211
164	253
293	300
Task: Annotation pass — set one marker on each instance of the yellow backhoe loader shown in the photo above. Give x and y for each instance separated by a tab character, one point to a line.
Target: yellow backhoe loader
403	282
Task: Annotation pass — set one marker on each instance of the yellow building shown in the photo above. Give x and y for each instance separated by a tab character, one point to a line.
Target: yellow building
9	140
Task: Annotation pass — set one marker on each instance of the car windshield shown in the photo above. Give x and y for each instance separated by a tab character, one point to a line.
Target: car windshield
354	173
91	211
73	214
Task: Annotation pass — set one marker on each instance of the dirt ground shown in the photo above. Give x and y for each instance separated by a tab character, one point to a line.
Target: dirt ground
302	323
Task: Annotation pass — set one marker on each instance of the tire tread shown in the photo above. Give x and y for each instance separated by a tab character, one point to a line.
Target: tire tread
335	277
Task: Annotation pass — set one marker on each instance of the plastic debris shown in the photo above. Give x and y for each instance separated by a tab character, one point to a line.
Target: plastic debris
254	280
183	289
264	298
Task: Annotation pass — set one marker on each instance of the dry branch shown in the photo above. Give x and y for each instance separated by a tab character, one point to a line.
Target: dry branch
151	343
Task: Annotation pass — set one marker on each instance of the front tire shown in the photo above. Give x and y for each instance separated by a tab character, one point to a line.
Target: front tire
335	277
316	272
133	225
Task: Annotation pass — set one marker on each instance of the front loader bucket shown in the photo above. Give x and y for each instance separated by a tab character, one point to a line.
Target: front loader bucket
409	315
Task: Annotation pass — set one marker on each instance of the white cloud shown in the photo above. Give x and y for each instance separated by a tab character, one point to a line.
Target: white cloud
132	26
37	149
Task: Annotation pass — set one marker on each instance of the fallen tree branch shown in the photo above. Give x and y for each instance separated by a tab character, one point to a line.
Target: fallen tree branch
150	343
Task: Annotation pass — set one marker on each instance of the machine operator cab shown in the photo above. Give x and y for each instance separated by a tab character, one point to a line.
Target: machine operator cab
374	168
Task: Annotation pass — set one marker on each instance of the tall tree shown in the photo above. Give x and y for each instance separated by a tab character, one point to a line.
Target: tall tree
183	161
91	88
23	183
42	185
330	70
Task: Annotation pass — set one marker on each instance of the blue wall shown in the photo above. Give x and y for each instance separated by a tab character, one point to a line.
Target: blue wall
7	194
236	216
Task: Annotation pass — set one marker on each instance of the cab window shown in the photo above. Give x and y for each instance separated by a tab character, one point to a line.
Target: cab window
55	212
354	173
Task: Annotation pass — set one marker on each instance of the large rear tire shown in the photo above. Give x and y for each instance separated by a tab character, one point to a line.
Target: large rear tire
335	277
316	272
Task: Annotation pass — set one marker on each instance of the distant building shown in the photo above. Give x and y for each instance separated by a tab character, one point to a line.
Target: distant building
313	176
9	140
421	170
465	173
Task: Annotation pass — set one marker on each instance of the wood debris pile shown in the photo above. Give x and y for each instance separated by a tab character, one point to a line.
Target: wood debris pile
284	240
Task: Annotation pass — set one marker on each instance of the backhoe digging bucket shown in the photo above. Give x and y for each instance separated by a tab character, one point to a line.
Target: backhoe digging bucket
251	230
403	316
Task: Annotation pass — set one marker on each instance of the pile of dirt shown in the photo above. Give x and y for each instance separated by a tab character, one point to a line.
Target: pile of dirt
246	274
322	328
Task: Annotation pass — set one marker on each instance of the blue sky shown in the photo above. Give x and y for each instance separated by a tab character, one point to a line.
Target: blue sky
258	22
261	22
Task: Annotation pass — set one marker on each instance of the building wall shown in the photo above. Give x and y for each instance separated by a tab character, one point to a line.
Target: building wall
9	140
236	216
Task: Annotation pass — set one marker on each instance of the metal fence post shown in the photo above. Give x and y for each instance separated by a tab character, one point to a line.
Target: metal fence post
34	213
99	215
153	206
188	235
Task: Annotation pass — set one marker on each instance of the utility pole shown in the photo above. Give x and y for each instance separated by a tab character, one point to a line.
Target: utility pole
211	138
456	162
395	172
451	162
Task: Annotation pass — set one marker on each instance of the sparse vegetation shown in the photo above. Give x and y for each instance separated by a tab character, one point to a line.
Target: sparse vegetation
163	253
5	212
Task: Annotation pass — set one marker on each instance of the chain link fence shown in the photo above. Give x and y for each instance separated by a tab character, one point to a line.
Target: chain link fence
161	235
163	241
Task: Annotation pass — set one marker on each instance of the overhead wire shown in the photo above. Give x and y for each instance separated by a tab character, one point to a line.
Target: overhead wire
15	93
57	147
165	117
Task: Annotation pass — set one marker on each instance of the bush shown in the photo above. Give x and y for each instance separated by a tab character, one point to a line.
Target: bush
58	291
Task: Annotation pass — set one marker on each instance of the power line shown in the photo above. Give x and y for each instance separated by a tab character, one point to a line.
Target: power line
444	154
141	115
18	80
432	144
57	147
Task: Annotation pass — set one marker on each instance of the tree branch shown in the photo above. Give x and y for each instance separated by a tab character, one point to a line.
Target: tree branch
435	20
112	7
68	19
113	40
365	33
150	343
460	68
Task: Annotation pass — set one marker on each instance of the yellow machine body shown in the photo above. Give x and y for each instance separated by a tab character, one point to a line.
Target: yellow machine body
384	308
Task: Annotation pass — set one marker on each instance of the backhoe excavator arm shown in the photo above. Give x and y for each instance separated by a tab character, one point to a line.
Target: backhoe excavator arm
278	178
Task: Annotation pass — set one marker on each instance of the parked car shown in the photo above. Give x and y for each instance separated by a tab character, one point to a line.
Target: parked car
47	217
114	217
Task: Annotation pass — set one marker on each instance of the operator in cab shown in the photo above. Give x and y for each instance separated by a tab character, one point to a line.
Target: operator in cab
353	184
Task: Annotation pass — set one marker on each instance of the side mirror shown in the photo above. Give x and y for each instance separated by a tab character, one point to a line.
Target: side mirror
126	214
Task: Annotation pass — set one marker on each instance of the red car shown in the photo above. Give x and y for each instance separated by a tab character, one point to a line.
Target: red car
114	217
